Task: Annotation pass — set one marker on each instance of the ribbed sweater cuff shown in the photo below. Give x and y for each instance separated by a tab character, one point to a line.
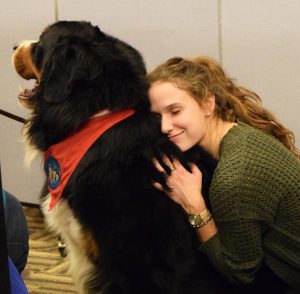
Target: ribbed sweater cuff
212	247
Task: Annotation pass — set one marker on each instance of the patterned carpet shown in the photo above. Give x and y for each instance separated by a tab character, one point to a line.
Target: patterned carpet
46	270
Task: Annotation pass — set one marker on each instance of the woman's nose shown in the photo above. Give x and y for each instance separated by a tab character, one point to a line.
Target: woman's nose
166	125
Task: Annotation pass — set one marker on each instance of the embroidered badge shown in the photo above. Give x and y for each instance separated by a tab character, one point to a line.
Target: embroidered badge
53	172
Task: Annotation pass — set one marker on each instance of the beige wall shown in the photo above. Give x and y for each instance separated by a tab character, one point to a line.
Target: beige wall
18	20
256	40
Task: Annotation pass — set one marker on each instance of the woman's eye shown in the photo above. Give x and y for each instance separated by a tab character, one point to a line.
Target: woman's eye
175	111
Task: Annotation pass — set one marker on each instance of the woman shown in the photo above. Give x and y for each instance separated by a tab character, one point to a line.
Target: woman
250	225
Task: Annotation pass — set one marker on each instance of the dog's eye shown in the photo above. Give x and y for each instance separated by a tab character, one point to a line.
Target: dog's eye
37	54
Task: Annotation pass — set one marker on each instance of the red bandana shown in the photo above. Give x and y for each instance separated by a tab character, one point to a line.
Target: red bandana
61	159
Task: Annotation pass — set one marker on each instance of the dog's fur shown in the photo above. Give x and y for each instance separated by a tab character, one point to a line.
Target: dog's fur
123	235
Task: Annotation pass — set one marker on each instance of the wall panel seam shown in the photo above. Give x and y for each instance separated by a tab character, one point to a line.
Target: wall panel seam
220	28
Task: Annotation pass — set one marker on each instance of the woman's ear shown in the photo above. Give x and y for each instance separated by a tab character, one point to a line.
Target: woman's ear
209	104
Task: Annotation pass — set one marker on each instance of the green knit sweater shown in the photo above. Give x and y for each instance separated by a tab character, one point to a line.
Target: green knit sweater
255	202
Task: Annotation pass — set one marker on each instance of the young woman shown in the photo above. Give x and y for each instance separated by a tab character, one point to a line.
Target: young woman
250	225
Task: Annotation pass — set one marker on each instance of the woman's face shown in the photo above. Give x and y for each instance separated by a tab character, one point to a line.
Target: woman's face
182	117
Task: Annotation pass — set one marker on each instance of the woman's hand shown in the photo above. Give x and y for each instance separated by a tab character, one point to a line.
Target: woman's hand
185	186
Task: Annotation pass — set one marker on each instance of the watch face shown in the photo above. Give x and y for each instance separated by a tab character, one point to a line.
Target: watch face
199	220
195	219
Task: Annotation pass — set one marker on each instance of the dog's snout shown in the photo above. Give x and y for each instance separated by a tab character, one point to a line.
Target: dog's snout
24	44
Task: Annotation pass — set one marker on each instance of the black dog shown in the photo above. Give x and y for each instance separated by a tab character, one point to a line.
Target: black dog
123	235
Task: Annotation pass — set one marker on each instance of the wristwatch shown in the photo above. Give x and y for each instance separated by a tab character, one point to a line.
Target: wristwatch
198	220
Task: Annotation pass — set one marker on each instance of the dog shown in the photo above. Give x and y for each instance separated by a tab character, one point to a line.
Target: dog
122	234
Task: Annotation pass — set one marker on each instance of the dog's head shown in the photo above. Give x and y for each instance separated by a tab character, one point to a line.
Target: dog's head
79	70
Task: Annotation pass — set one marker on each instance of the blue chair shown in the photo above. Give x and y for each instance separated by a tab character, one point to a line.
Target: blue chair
11	281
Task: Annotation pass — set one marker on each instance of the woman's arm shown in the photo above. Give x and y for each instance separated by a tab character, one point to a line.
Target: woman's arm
235	247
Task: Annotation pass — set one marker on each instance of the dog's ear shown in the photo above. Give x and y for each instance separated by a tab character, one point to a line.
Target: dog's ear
101	35
63	69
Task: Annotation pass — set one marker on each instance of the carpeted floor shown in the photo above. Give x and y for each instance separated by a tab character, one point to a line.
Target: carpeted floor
46	270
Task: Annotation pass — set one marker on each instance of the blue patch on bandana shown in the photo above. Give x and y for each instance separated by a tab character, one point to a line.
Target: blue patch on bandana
53	172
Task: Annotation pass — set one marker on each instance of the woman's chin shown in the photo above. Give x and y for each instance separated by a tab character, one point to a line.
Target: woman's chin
184	146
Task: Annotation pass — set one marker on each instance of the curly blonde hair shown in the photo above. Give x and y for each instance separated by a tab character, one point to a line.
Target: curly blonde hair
203	76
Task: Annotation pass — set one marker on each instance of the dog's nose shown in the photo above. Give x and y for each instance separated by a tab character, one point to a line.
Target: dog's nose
15	47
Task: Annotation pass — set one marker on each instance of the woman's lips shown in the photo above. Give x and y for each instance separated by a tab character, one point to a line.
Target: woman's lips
174	137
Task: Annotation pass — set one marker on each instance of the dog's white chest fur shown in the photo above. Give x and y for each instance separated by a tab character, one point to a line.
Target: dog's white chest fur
61	220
